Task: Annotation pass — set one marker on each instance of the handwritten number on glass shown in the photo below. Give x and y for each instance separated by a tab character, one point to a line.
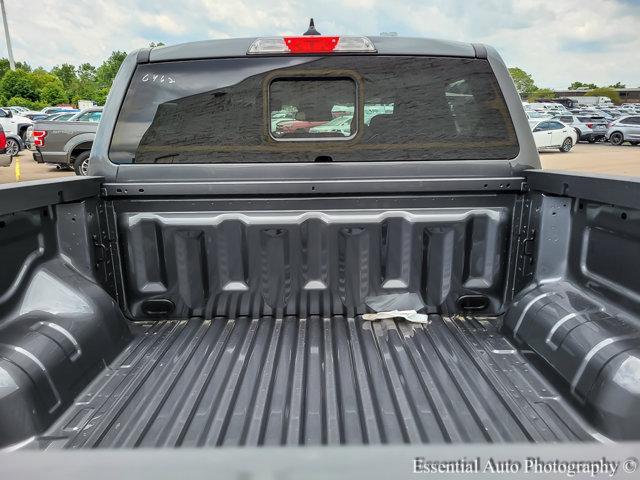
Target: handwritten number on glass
157	78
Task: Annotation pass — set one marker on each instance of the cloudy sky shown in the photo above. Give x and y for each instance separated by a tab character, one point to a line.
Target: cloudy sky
557	41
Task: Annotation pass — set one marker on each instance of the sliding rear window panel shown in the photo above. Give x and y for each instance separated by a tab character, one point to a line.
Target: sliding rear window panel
320	76
219	111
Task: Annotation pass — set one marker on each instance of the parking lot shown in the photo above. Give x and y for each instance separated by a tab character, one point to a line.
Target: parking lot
595	158
584	157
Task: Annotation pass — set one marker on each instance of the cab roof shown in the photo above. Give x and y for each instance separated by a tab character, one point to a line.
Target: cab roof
238	47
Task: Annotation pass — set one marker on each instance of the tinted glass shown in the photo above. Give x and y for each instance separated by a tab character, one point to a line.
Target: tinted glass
543	126
566	119
555	125
241	109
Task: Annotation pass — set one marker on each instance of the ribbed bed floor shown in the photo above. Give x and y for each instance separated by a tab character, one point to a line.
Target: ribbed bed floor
316	381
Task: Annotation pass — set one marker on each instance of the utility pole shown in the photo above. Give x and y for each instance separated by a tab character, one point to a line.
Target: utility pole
12	64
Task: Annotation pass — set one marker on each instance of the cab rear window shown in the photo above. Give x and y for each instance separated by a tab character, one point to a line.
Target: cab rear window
299	109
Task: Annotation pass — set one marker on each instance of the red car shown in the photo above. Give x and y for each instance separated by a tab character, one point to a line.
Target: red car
295	126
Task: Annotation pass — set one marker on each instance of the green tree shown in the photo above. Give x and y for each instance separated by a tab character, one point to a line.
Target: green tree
4	66
66	73
18	83
101	96
23	66
25	102
605	92
541	93
53	93
523	81
156	44
106	72
87	72
580	85
19	102
41	78
618	85
84	91
84	87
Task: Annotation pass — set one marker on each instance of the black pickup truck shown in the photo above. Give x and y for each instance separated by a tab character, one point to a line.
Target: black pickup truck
204	288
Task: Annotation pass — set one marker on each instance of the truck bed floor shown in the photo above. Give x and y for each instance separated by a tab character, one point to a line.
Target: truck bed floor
316	381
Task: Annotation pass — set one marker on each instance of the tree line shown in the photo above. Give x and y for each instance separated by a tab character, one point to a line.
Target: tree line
36	88
63	84
526	87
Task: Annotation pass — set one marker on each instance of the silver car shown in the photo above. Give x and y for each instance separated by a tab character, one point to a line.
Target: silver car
624	129
589	128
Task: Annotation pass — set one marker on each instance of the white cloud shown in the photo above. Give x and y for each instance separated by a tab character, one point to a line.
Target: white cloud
164	23
557	42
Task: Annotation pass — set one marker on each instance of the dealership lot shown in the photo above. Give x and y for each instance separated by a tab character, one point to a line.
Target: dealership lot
584	157
595	158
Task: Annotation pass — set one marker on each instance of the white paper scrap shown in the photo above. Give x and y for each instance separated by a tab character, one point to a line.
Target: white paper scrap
409	315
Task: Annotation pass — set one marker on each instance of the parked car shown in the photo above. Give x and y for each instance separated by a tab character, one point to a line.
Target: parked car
601	116
340	124
588	128
5	157
611	112
552	134
549	108
93	114
281	116
20	111
201	305
535	117
14	124
287	127
61	117
50	110
14	144
34	117
624	129
68	143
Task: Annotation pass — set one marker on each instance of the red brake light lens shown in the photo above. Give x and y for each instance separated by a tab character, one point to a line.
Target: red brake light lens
589	125
38	137
3	140
311	44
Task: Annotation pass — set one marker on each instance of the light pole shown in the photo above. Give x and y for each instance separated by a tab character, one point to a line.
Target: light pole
12	64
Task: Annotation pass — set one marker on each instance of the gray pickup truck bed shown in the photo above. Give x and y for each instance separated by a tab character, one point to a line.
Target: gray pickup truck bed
317	381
